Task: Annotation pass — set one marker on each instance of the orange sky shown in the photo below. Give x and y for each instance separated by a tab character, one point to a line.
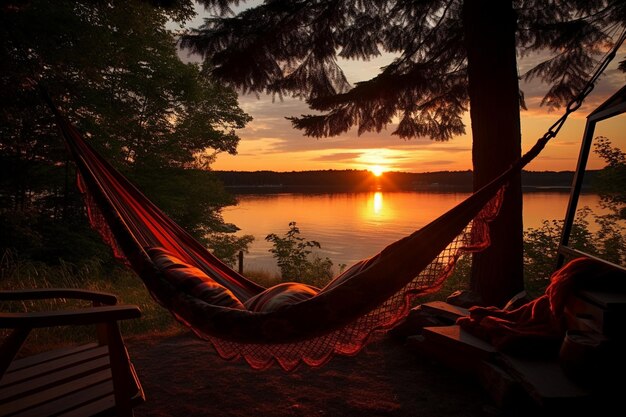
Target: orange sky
270	143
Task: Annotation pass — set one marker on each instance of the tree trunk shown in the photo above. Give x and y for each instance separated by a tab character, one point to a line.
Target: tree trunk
490	25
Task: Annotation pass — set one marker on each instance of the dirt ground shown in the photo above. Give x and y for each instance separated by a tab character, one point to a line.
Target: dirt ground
183	376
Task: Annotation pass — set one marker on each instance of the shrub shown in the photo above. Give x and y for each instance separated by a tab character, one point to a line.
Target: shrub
296	259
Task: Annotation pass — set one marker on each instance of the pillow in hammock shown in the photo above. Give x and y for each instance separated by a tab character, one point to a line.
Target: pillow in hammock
191	280
281	295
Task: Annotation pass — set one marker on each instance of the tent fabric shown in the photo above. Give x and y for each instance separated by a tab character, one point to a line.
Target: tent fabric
302	325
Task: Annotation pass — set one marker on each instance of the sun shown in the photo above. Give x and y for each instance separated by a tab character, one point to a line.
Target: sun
377	170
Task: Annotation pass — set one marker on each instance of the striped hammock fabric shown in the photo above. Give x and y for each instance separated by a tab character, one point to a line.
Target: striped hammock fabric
289	324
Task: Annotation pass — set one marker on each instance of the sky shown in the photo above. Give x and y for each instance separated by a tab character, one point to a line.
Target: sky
270	143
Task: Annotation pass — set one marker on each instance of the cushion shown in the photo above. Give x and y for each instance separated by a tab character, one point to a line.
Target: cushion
191	280
280	296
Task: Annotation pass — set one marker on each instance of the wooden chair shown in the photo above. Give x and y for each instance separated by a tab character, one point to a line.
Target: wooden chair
88	380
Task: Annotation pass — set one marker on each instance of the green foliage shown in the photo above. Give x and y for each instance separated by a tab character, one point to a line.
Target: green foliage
610	182
607	240
227	247
540	246
296	259
540	250
41	238
193	198
113	69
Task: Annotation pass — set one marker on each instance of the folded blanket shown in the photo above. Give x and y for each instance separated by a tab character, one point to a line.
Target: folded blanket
538	327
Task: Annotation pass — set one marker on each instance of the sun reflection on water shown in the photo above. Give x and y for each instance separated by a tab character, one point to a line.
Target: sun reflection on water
374	211
378	202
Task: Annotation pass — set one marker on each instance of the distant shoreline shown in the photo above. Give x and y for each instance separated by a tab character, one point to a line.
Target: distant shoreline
247	182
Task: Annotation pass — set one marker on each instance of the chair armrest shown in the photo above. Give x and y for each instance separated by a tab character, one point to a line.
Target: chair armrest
90	315
43	293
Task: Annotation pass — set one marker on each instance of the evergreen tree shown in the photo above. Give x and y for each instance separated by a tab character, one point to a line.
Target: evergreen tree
452	55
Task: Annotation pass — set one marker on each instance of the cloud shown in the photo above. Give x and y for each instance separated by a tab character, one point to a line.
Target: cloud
429	166
566	143
338	157
441	162
435	146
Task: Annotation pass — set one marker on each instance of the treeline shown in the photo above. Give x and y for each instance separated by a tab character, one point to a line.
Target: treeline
360	180
327	179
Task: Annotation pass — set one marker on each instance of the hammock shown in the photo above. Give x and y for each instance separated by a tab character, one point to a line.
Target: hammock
289	323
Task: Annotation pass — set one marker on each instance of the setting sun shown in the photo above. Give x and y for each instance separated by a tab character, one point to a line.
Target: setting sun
377	170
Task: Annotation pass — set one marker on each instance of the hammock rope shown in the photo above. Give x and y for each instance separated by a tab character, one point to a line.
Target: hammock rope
290	323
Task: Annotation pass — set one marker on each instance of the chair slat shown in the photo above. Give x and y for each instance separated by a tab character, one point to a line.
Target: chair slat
54	378
53	365
34	360
65	393
96	407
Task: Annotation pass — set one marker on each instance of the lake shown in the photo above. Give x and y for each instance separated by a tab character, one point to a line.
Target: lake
353	226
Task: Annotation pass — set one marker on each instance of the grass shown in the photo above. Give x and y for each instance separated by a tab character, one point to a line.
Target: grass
16	273
263	277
